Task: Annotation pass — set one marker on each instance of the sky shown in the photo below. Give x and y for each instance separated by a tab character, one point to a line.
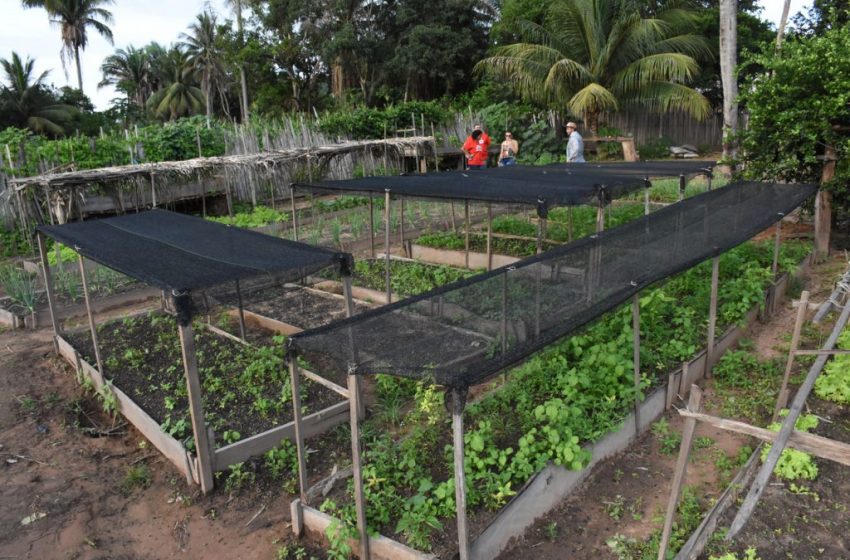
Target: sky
138	22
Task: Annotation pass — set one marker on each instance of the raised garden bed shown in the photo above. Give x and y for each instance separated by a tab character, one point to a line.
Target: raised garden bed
561	392
246	389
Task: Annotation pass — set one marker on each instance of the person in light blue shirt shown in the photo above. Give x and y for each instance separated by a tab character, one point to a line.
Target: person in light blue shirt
575	144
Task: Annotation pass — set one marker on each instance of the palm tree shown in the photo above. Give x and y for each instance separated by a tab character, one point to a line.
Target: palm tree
600	55
728	76
201	44
129	71
26	99
237	8
178	95
74	17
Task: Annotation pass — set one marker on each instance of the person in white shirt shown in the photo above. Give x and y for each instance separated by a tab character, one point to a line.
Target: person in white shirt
575	144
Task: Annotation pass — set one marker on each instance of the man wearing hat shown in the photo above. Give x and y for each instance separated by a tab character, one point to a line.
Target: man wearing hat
575	144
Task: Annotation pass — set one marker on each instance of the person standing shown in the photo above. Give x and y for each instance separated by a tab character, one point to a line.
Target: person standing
575	144
475	149
509	151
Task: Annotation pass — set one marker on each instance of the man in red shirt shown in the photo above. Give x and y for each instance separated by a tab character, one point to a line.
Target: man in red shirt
475	148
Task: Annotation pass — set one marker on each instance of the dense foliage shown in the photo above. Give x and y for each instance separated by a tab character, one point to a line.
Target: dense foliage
798	106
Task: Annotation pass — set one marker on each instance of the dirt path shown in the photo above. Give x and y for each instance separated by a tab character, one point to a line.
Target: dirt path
74	489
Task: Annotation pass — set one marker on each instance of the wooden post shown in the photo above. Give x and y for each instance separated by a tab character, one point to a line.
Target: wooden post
636	356
459	399
228	196
371	227
294	215
537	279
540	222
712	316
489	236
90	315
682	184
570	225
505	312
401	224
786	430
629	151
153	190
782	400
241	310
48	287
466	233
387	210
359	499
600	218
646	201
776	244
694	403
823	206
295	378
452	210
349	312
196	409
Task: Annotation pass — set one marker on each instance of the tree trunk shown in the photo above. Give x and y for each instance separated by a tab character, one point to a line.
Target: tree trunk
242	80
208	96
79	70
780	33
728	61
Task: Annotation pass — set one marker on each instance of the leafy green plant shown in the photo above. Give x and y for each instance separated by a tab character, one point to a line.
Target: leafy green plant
833	384
20	286
137	477
794	464
669	439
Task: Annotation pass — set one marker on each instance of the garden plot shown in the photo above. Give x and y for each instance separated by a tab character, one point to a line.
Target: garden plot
25	303
549	410
246	389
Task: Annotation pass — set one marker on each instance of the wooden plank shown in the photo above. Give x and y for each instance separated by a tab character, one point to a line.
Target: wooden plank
196	410
312	425
316	378
458	258
380	547
694	403
819	446
794	411
782	400
257	320
834	352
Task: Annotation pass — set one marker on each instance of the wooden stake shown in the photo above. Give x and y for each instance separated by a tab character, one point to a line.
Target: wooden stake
196	408
636	356
712	316
436	161
359	499
466	233
540	223
295	378
823	206
505	312
646	201
600	218
782	400
537	280
349	312
90	315
452	210
294	214
241	310
694	403
776	244
387	210
570	226
371	227
401	224
489	236
48	287
460	478
682	184
153	191
763	476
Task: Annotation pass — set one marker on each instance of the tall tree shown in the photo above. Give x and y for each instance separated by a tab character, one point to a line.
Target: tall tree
237	8
25	100
203	49
178	94
600	55
129	71
728	61
74	17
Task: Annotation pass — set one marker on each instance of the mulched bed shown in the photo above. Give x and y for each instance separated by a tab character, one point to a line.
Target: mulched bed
246	389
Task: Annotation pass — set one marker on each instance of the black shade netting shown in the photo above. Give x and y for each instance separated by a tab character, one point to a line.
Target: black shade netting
180	253
464	332
551	185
